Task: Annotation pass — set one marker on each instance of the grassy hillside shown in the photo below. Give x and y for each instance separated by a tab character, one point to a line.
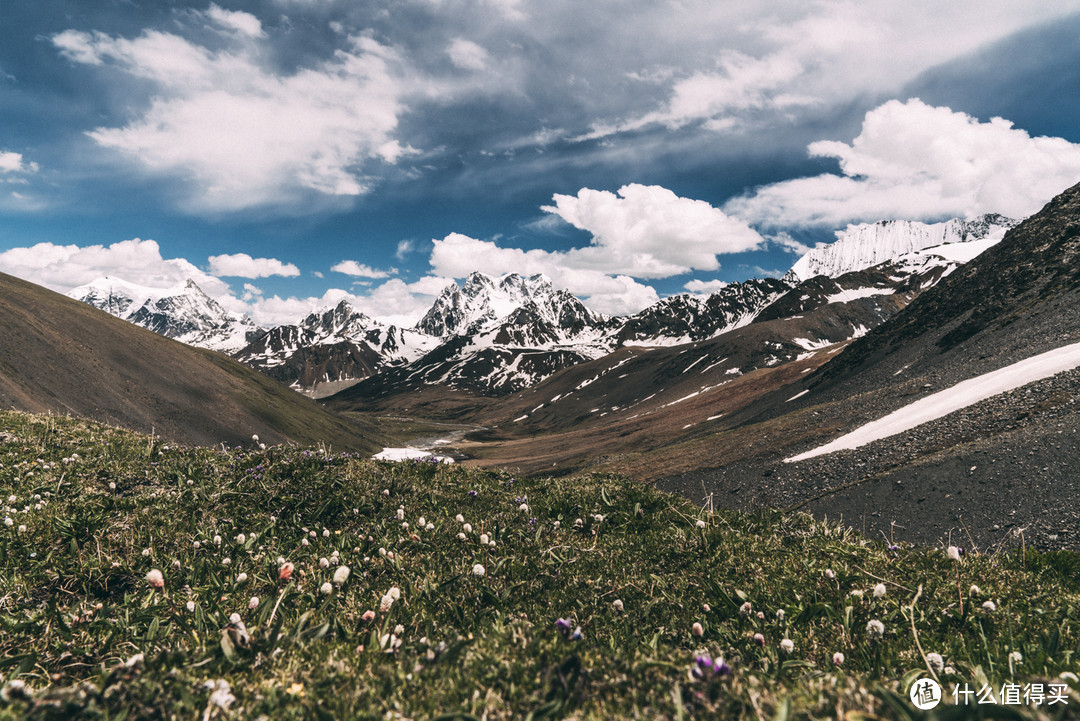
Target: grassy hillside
609	616
62	356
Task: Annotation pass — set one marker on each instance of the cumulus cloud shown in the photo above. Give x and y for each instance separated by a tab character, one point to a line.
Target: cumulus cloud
705	287
241	134
467	55
919	162
63	267
242	265
647	231
359	270
11	162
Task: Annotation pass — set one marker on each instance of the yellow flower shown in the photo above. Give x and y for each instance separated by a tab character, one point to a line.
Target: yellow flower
297	689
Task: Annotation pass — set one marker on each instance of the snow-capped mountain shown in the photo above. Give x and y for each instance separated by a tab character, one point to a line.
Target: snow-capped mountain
484	304
334	344
869	244
503	334
184	313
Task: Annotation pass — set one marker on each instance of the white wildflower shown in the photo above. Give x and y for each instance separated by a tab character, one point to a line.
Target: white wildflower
935	661
700	523
484	539
617	604
326	588
324	562
190	606
953	552
241	539
879	590
253	603
478	570
221	695
341	575
787	646
875	629
467	528
989	606
838	658
697	629
459	518
241	578
1016	657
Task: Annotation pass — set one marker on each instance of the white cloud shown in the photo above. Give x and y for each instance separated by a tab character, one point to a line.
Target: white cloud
242	265
63	267
467	55
705	287
242	135
647	231
11	162
918	162
359	270
404	247
239	22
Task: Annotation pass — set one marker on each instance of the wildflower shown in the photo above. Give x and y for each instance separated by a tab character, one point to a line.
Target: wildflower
285	571
112	487
326	588
421	521
305	542
461	536
155	579
226	561
253	603
761	615
217	540
241	539
989	606
176	564
787	646
389	642
386	492
745	610
759	639
404	525
697	629
382	552
430	526
254	438
700	523
388	600
341	575
617	604
523	507
879	590
599	518
134	661
935	661
467	528
953	552
838	658
829	574
780	613
705	667
313	534
459	518
221	694
241	578
1016	657
190	606
146	552
857	594
400	513
8	522
324	562
484	539
368	616
478	570
975	590
196	545
875	629
706	607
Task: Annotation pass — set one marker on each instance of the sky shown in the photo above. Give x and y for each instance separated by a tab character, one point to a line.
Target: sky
288	154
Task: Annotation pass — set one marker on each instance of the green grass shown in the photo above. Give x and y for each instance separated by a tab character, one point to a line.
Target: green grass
76	608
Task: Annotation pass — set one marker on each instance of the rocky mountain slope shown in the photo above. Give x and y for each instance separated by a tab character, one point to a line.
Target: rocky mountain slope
62	356
972	472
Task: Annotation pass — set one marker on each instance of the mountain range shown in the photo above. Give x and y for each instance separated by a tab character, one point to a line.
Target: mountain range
495	336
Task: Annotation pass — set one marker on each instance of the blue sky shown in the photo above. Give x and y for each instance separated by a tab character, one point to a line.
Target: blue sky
289	153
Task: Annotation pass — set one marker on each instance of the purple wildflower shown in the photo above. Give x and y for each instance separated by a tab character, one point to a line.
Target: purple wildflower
473	494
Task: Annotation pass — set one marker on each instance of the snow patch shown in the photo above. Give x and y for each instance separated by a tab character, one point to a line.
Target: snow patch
961	395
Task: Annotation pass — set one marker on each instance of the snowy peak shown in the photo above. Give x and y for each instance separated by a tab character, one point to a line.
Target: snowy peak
184	312
870	244
483	302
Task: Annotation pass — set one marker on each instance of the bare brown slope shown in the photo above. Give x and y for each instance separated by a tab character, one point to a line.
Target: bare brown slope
58	355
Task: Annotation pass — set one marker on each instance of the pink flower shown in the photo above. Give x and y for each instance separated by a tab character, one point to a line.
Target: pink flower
369	615
759	639
697	629
285	572
155	579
